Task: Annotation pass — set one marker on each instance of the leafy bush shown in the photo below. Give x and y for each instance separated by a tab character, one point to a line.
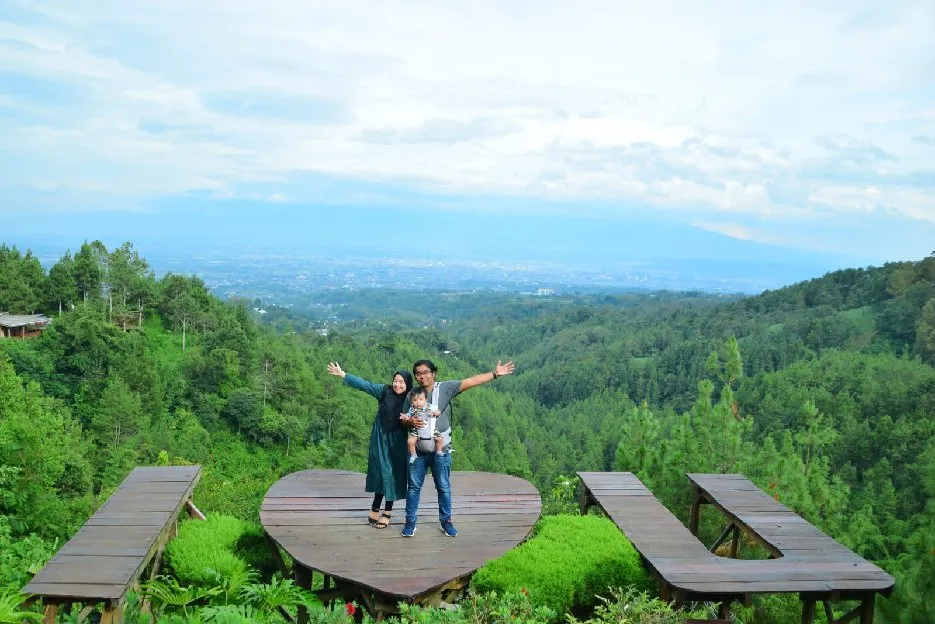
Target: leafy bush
21	557
561	498
253	548
635	607
10	612
489	608
569	561
206	548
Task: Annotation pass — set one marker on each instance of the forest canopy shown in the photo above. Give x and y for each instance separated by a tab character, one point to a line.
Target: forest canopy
822	393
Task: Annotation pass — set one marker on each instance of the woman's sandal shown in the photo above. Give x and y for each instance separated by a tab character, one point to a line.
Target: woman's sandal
381	524
373	517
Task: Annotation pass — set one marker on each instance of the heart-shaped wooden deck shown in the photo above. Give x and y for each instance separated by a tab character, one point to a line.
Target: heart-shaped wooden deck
320	518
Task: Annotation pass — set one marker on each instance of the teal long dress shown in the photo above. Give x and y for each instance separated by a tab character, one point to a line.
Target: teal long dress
387	466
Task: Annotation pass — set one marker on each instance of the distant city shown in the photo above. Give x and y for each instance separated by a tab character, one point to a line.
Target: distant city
280	277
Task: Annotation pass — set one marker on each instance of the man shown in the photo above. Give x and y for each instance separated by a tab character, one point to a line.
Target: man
440	463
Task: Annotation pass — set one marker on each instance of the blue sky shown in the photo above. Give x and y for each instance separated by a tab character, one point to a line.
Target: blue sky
799	126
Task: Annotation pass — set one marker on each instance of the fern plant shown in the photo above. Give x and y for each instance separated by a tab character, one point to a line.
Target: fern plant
278	593
233	614
230	586
632	606
165	592
12	613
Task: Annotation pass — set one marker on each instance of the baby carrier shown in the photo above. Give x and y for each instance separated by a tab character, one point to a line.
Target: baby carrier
426	441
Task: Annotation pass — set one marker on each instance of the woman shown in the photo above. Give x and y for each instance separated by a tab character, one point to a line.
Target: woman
386	463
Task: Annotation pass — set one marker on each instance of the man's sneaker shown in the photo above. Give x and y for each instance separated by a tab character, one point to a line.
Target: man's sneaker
409	529
449	529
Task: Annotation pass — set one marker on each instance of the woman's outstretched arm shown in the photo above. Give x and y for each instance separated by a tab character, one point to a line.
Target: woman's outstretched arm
374	390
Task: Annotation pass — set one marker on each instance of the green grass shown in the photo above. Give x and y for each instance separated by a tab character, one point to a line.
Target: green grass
567	563
204	548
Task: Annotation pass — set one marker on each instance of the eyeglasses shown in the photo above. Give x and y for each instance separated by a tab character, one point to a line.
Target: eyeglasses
421	373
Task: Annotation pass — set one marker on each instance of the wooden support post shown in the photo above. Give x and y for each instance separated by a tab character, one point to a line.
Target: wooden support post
584	499
367	603
193	511
277	557
808	610
723	610
730	528
735	542
679	598
113	614
696	513
145	607
50	613
866	610
303	578
85	612
157	561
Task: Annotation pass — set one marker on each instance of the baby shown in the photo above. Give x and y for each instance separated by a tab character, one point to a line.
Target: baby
420	408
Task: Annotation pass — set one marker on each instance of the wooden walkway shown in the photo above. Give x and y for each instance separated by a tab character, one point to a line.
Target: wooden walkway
809	561
109	553
320	518
815	566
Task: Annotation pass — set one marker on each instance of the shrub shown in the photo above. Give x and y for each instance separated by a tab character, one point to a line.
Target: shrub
21	557
567	563
206	547
480	609
253	548
634	607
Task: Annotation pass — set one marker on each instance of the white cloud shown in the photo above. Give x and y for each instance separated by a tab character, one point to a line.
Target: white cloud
736	107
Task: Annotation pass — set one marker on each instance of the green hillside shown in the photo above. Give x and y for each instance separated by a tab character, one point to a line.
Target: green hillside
822	393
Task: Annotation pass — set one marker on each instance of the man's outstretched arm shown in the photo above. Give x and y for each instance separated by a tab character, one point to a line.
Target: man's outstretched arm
498	371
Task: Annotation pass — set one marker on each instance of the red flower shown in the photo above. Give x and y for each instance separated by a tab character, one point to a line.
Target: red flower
524	592
350	608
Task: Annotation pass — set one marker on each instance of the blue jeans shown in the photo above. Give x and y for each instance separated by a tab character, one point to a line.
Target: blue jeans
441	473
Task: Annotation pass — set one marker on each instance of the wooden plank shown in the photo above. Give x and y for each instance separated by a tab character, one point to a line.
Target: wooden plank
115	571
104	550
781	586
319	517
685	564
806	553
76	592
101	560
157	519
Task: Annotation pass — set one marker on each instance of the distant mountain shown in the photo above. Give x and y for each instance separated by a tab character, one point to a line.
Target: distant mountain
616	246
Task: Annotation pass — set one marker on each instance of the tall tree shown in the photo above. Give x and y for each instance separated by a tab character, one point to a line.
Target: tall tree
22	281
62	289
89	270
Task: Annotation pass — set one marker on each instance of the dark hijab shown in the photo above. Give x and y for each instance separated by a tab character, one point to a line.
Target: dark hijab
391	404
